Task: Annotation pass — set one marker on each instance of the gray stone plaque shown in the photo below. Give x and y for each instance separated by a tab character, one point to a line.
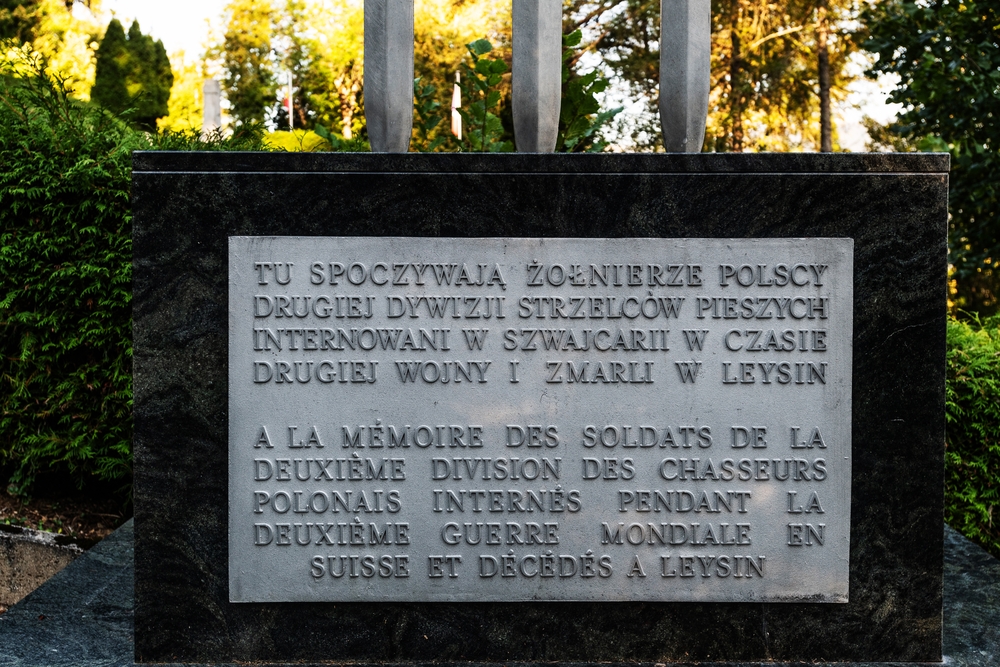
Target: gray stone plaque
444	419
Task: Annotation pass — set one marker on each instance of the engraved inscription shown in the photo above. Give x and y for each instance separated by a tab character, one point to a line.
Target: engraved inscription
416	419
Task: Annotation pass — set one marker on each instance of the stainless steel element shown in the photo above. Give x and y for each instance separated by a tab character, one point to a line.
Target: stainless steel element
537	74
685	63
389	74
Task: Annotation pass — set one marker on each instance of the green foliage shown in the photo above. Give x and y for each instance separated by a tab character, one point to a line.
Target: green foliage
289	28
581	117
340	144
429	115
297	141
248	76
151	78
112	70
244	138
321	44
67	42
627	39
947	56
481	88
481	80
580	120
18	20
764	70
66	276
23	20
972	454
441	28
65	284
132	74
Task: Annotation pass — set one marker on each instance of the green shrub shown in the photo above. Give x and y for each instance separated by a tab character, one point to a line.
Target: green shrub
972	451
65	284
66	277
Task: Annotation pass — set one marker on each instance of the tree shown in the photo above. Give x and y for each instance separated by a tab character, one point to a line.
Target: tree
775	67
625	34
247	60
947	57
296	44
443	31
18	20
322	45
49	28
823	64
319	43
133	73
113	67
154	78
580	117
186	106
443	28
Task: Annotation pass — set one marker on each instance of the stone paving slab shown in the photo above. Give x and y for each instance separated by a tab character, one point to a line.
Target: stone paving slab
82	617
971	603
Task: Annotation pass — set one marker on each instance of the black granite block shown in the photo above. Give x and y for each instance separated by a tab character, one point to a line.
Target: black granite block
91	601
187	204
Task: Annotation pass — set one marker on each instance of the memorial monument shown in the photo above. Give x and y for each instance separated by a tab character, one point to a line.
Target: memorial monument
521	408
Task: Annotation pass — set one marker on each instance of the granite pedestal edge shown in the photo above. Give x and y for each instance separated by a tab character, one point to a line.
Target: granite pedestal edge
186	205
83	616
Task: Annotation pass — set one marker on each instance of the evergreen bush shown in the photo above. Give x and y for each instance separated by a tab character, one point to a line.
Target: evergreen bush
66	277
132	72
972	450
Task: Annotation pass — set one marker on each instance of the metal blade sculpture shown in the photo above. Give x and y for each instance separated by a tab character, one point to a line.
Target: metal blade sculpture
537	74
685	60
389	74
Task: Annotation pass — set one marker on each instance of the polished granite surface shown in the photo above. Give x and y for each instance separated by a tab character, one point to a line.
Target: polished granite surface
187	205
82	617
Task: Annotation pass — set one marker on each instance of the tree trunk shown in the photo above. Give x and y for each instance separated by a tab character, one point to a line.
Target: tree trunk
348	86
346	113
736	100
302	119
825	129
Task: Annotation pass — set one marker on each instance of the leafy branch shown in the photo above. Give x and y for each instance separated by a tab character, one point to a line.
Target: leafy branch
581	116
480	83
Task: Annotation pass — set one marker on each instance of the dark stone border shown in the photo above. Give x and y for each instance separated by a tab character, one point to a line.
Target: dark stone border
186	205
607	163
96	629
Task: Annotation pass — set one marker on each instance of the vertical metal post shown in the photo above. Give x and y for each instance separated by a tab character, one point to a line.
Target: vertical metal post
389	74
537	74
685	61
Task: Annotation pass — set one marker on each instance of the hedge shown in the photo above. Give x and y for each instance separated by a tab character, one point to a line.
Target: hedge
66	277
972	448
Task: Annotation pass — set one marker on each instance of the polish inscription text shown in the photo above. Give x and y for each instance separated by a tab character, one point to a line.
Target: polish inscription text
428	419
